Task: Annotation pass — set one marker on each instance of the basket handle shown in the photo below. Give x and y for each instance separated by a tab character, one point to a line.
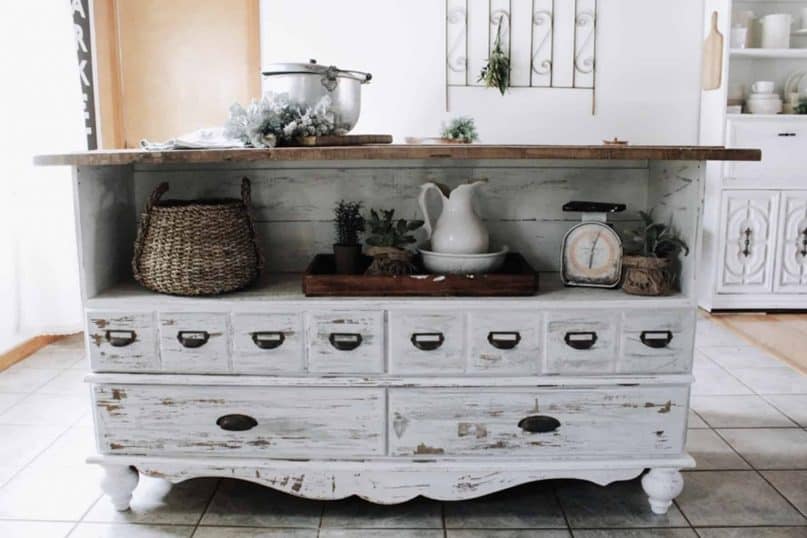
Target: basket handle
246	191
156	194
153	200
246	199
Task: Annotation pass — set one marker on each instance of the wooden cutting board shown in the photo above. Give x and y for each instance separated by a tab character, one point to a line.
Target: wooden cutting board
344	140
713	57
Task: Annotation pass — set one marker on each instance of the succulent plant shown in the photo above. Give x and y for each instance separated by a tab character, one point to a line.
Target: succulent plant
386	232
349	222
657	240
462	129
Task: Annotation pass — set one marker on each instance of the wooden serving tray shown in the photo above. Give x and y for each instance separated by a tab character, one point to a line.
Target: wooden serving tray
515	278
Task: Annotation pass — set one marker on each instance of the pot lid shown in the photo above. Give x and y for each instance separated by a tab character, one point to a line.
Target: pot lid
313	68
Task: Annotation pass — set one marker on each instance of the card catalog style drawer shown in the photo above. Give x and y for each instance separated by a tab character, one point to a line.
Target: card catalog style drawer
267	343
345	342
122	342
581	342
558	423
239	421
782	143
657	342
426	342
505	342
191	342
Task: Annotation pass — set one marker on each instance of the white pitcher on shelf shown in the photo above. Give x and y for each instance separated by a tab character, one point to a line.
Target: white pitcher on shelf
458	230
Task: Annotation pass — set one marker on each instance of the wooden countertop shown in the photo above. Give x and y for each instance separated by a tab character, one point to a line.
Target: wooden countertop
402	152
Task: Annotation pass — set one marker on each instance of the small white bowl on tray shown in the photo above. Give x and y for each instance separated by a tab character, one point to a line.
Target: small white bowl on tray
461	264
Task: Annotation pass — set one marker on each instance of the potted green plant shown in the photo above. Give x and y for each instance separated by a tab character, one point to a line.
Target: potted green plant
653	268
387	242
460	131
496	73
347	249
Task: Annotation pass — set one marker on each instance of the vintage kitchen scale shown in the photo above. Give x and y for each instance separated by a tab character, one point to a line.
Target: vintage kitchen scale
591	252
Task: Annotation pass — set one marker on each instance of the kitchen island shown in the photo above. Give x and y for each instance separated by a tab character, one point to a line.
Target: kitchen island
386	419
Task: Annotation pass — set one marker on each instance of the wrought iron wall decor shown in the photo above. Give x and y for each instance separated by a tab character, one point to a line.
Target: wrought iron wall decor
552	43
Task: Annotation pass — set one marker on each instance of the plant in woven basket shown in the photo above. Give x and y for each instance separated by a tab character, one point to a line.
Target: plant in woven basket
653	268
388	240
461	129
349	224
496	73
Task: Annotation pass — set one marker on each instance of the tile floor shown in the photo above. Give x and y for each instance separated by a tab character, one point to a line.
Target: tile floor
748	433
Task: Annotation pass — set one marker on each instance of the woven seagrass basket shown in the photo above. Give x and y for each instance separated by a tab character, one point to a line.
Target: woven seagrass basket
203	247
647	276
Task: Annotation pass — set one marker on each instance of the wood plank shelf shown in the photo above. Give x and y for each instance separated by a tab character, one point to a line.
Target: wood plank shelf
402	152
287	288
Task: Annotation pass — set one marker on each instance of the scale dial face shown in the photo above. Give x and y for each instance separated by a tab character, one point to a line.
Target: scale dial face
591	256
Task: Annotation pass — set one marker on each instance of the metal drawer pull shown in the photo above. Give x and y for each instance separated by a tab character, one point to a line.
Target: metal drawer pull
539	424
236	423
581	340
787	134
268	339
120	338
504	340
427	341
656	339
193	339
345	341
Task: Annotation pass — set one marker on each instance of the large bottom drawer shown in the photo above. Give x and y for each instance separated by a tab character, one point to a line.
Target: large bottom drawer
570	423
239	421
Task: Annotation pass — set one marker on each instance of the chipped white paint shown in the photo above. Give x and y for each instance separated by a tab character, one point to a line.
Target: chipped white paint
657	342
134	337
423	342
345	341
594	422
186	420
194	342
280	334
595	334
492	332
385	420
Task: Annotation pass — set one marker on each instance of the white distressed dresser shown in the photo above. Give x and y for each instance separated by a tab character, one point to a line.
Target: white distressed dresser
326	398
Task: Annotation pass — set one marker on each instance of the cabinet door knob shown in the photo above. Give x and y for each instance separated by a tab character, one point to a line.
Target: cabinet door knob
504	340
539	424
656	339
427	341
236	423
120	338
268	339
580	340
193	339
787	134
345	341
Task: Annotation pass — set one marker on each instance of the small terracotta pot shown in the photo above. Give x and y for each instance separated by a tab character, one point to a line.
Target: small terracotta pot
647	276
347	259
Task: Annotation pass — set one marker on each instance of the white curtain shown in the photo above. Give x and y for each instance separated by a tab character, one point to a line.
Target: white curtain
41	112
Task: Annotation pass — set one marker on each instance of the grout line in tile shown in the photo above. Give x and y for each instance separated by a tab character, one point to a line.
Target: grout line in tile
207	505
562	510
443	519
772	404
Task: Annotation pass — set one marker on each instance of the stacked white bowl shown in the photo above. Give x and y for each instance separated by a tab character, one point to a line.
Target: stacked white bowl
762	99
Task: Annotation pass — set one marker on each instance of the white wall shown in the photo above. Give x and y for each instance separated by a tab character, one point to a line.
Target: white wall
648	71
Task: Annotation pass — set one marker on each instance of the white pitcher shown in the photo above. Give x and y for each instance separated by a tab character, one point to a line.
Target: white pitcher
776	31
458	230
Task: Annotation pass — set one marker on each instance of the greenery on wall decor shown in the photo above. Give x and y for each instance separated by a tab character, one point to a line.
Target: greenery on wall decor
461	129
496	73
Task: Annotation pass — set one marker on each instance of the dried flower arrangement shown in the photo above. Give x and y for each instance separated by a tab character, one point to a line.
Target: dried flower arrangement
496	73
275	119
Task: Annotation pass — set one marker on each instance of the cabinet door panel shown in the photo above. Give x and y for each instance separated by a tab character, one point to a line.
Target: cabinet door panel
791	258
748	231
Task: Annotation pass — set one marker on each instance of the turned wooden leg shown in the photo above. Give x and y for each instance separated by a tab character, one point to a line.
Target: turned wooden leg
118	484
662	486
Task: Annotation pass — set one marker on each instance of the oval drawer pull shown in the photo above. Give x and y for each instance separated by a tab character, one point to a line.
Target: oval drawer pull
581	340
236	423
539	424
504	340
787	134
427	341
193	339
345	341
268	339
656	339
120	338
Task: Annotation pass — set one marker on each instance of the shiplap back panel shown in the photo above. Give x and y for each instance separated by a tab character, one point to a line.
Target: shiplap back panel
293	207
